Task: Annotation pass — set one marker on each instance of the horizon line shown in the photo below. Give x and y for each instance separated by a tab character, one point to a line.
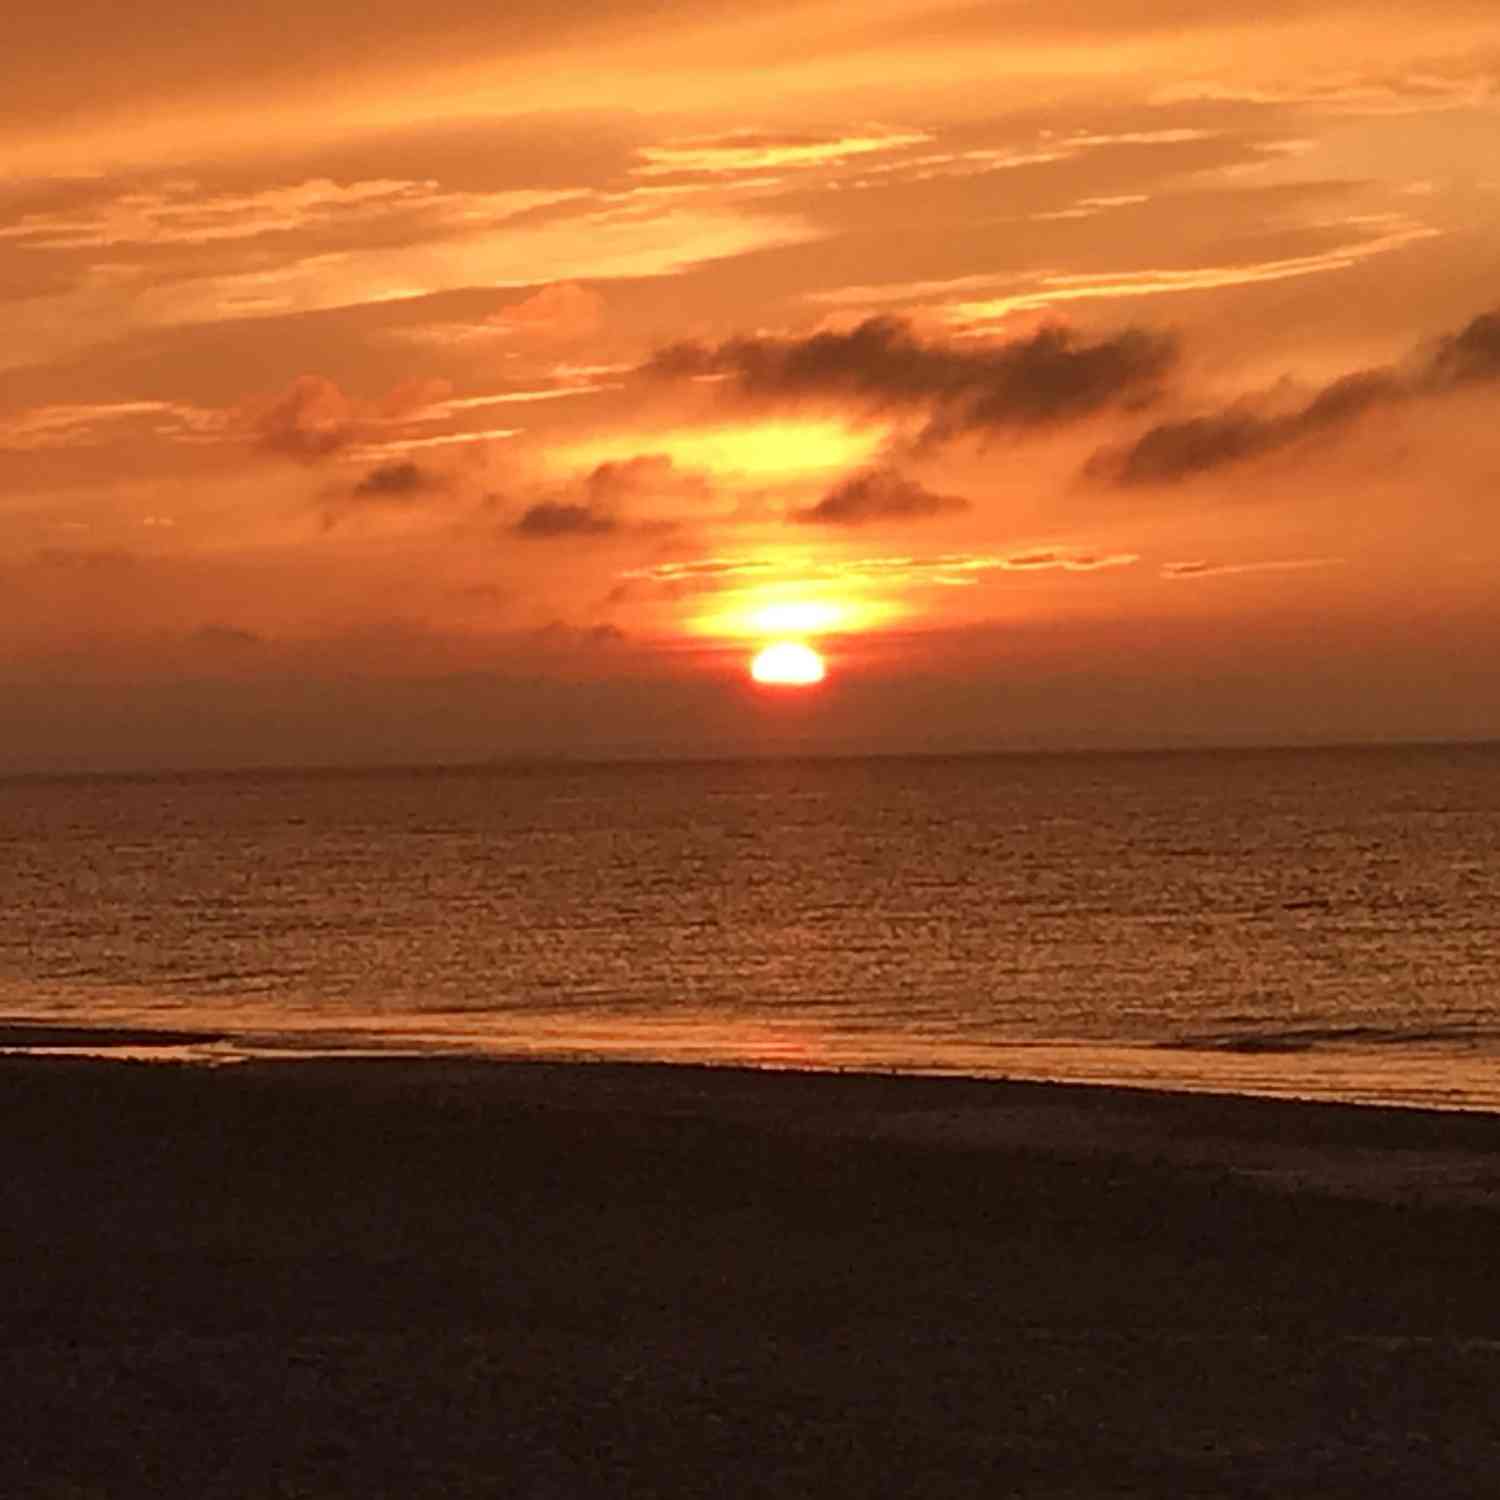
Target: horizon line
529	761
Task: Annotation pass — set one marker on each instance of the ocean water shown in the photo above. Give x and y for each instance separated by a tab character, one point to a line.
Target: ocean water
1323	923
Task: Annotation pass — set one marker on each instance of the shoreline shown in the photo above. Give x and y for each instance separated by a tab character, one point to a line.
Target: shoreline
1084	1065
440	1277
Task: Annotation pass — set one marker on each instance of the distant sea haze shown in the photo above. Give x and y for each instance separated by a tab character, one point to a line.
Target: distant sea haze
1323	923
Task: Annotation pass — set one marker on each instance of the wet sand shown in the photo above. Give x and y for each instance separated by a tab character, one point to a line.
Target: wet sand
402	1278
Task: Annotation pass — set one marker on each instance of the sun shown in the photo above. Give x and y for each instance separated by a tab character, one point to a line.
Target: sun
787	664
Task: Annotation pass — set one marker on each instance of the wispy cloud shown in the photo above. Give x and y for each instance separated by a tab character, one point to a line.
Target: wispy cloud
559	313
1347	94
758	151
369	451
1090	208
1383	234
714	575
182	213
1043	149
455	406
89	425
704	568
1203	568
443	245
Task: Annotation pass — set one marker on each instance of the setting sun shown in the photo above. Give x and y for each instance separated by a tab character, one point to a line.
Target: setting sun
788	664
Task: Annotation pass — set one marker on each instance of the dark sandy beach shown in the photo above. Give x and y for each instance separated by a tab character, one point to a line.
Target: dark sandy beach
409	1279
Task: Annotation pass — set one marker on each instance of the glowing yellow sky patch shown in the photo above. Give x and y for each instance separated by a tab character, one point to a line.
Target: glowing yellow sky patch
754	452
798	617
774	610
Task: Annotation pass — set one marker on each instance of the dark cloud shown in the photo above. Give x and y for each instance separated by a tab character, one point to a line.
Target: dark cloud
1050	376
551	519
594	505
878	495
399	483
623	479
395	481
1467	357
1173	451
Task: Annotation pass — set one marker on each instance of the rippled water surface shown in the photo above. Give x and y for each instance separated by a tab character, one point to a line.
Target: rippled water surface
1320	922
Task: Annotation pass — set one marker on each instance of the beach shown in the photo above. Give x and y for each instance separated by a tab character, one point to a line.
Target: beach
426	1277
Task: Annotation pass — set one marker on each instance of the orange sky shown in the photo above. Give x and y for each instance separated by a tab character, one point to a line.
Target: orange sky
420	386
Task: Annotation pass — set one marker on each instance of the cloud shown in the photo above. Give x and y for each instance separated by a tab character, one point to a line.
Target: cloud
309	420
1467	357
1173	451
398	487
551	519
878	495
592	504
559	635
1049	376
394	481
1176	450
617	480
563	311
312	418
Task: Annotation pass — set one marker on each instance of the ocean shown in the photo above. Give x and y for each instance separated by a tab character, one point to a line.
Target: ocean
1320	923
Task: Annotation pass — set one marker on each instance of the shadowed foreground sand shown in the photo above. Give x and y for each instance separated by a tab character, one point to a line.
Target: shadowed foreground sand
412	1279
